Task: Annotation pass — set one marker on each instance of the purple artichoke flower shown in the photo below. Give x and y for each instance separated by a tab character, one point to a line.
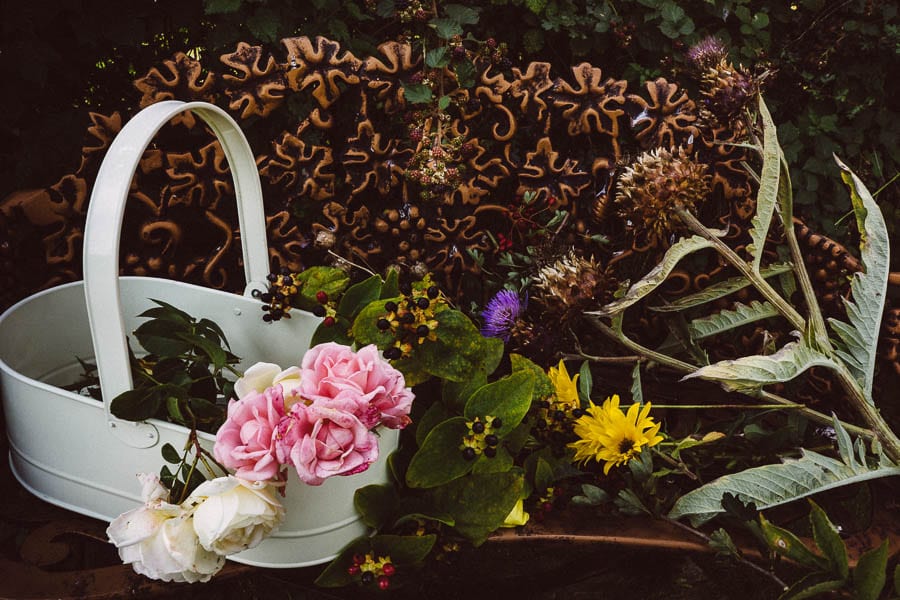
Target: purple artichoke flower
501	313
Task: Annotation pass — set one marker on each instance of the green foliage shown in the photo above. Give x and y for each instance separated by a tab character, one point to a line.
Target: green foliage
830	568
182	376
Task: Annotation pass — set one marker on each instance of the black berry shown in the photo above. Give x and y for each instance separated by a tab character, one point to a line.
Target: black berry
390	306
433	292
319	310
497	424
422	303
368	577
491	439
392	353
490	452
478	427
422	330
468	453
383	324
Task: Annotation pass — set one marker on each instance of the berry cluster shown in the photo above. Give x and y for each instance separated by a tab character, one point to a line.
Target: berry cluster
411	320
277	301
481	438
544	504
437	167
371	571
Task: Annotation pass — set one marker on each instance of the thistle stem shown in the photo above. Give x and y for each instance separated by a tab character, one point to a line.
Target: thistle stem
783	306
683	367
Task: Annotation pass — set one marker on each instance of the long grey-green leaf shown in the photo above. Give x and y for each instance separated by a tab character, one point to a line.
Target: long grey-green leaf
868	288
767	197
772	485
726	320
655	277
720	289
749	373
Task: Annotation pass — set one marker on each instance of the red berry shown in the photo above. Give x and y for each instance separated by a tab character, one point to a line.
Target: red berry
389	569
491	43
321	297
358	559
353	570
546	507
328	321
384	582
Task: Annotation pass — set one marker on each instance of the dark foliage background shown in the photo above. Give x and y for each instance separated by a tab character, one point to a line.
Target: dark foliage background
833	87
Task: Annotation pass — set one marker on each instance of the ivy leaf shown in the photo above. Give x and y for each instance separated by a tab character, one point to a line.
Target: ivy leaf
749	373
417	93
656	277
868	288
440	460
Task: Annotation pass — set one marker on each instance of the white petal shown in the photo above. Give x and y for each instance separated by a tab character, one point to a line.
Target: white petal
256	378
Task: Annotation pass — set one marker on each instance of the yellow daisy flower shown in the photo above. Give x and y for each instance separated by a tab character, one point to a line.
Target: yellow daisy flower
566	387
608	434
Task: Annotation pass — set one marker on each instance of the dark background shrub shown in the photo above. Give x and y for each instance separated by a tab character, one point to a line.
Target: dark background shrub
832	88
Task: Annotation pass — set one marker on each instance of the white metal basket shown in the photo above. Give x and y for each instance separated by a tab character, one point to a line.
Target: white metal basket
69	449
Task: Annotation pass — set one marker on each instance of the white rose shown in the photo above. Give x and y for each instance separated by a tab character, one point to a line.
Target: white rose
233	514
158	539
264	375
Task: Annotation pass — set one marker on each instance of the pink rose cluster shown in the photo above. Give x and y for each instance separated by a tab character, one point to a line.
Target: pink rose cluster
343	395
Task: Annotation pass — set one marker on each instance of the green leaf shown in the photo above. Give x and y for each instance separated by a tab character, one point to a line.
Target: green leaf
263	24
455	394
330	280
767	197
167	312
464	15
417	93
543	475
536	6
896	579
637	391
829	541
465	73
749	373
446	28
719	289
508	398
480	503
868	288
213	327
656	277
438	57
721	542
221	7
501	463
543	387
459	349
205	410
358	296
136	405
440	459
776	484
812	586
336	333
443	102
365	329
170	454
585	382
404	550
789	545
391	286
215	353
726	320
161	338
375	504
436	414
870	573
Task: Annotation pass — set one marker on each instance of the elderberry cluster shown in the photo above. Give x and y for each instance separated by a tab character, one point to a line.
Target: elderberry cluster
481	438
410	320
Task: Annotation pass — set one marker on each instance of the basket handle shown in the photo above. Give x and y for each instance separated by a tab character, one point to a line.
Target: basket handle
102	234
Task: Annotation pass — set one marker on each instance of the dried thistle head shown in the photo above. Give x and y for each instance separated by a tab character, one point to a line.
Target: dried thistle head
659	182
726	91
571	285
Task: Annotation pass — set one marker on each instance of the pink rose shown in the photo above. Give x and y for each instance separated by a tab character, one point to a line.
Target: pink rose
325	439
246	441
379	390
